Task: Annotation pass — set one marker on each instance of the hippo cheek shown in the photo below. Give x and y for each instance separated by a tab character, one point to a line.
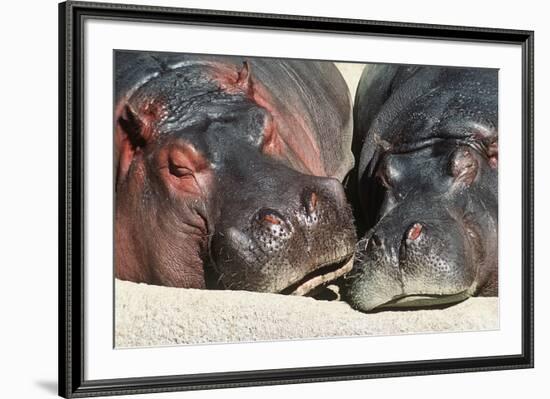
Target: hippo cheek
289	253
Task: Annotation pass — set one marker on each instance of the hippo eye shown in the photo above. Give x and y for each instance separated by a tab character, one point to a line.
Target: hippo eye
469	223
387	174
180	166
179	171
383	178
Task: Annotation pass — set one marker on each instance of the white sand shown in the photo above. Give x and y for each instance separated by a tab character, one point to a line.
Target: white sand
352	74
151	315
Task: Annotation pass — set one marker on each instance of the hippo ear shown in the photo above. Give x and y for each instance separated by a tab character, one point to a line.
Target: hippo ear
131	134
243	80
492	153
463	166
132	127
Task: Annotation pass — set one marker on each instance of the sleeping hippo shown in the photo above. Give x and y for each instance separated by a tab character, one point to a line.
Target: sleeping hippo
426	184
228	172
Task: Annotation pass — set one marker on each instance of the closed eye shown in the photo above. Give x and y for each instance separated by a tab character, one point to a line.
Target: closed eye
179	171
383	178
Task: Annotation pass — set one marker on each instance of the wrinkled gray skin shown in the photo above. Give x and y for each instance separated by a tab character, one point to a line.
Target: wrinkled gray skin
228	172
426	186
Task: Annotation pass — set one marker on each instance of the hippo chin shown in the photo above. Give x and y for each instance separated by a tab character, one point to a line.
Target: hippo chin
426	187
228	172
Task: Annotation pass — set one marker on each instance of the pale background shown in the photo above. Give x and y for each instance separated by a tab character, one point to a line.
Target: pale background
28	211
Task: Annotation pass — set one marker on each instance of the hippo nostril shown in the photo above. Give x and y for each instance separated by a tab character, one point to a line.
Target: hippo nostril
376	240
270	216
311	203
272	219
313	200
414	232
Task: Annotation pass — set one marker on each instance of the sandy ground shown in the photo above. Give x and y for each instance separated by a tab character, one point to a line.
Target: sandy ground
147	315
351	73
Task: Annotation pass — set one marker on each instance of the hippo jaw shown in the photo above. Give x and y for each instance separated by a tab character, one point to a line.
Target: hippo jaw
425	301
369	289
300	278
390	296
319	277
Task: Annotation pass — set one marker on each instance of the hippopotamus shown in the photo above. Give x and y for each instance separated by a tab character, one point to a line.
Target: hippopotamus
228	172
425	187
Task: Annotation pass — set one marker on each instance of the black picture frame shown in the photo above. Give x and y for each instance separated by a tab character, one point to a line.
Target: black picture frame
71	200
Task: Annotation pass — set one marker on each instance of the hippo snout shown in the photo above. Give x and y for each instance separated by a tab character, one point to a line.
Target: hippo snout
271	230
303	242
416	263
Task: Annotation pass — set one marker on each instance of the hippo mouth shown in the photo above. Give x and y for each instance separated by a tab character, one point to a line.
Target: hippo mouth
423	301
320	276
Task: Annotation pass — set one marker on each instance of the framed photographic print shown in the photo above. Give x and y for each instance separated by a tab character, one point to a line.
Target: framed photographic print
251	199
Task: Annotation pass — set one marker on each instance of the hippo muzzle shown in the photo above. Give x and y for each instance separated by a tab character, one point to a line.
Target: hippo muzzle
292	235
417	261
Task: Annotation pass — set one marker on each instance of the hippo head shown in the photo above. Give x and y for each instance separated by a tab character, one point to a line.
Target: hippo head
432	194
436	242
209	196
